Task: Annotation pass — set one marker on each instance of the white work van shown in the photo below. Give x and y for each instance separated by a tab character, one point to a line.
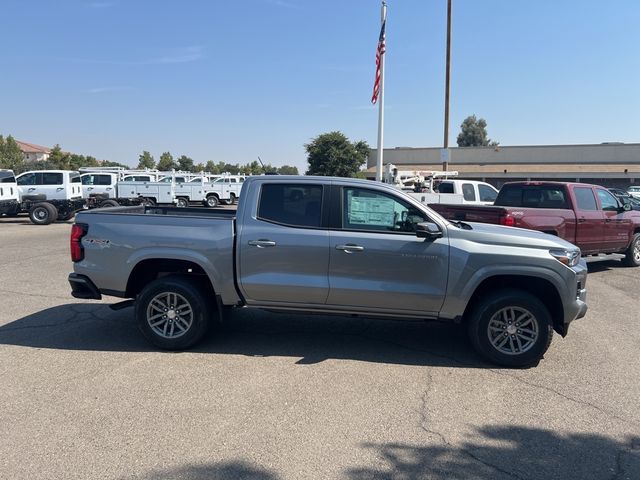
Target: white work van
9	198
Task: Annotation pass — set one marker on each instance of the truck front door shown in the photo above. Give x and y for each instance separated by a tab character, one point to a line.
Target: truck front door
617	226
376	260
283	247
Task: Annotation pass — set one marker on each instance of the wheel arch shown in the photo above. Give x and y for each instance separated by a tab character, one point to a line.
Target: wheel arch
150	269
541	288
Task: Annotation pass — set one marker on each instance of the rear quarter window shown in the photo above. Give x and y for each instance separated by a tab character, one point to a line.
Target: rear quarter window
533	196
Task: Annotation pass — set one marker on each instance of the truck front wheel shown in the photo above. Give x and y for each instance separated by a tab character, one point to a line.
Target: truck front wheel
173	312
511	328
632	255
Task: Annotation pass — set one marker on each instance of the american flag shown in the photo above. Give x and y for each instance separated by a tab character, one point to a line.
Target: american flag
379	53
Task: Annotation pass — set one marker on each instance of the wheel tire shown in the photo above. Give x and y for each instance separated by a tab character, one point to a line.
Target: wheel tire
508	309
148	202
234	199
182	202
109	204
64	218
632	255
167	292
212	201
43	214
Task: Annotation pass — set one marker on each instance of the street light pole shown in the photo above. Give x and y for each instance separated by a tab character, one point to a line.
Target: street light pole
445	151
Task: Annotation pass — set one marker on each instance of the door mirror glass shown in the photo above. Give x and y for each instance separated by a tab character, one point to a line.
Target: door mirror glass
428	230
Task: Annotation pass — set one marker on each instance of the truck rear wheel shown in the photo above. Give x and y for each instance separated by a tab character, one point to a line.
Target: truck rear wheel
109	204
511	328
182	202
632	255
173	312
43	213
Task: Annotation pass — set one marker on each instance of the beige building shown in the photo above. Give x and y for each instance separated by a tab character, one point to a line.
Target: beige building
607	164
33	153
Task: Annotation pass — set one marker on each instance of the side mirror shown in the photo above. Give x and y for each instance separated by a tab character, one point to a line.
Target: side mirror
626	207
428	230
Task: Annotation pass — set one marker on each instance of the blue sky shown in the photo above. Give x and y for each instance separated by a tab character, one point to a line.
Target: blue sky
233	80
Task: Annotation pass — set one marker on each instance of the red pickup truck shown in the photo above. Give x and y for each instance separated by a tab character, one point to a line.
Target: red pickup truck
586	215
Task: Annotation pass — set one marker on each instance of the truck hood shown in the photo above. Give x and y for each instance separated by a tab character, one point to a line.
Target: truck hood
511	236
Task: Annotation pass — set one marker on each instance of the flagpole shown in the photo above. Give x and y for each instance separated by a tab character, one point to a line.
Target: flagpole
383	17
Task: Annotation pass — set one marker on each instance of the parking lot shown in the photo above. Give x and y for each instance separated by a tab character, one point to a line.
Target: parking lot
271	396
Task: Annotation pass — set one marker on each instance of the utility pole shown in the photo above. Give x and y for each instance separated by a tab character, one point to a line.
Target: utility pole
444	154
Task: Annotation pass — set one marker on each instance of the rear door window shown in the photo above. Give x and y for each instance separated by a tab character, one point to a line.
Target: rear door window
296	205
468	193
52	178
585	199
445	187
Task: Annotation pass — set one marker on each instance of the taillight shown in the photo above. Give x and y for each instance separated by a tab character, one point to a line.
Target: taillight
78	230
507	220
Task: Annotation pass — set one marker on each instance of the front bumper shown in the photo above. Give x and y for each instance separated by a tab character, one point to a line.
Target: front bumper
83	287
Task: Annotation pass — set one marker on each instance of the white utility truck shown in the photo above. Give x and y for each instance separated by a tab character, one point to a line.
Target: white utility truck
9	197
50	195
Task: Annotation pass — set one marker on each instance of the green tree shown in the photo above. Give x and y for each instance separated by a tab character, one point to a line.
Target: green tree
229	168
11	156
76	161
185	163
166	162
334	155
211	167
200	167
59	159
93	162
146	160
288	170
107	163
473	133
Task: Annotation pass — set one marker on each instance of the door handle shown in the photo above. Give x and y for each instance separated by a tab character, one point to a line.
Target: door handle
31	189
59	189
262	243
350	248
582	220
607	220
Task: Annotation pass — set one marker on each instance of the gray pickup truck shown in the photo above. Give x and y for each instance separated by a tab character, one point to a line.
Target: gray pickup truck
330	245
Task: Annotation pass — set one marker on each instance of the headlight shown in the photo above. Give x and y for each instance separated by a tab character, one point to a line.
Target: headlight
569	257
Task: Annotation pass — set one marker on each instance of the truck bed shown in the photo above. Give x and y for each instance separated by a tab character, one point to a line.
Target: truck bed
143	236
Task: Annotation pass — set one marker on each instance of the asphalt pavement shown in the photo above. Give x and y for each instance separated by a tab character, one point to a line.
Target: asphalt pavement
268	396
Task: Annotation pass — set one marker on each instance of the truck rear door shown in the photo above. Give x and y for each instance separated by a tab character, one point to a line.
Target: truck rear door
376	260
283	246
